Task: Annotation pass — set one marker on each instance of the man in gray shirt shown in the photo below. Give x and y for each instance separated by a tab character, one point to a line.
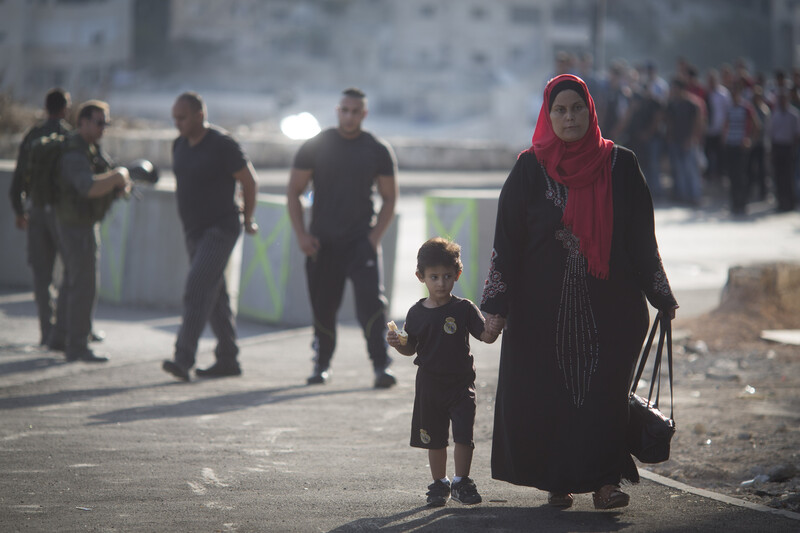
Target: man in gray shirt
88	185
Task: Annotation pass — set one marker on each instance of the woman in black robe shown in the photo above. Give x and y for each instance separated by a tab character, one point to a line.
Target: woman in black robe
574	257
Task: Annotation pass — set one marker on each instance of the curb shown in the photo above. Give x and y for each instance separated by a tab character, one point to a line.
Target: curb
656	478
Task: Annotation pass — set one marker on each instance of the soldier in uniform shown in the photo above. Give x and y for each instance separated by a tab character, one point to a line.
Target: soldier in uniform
33	207
87	186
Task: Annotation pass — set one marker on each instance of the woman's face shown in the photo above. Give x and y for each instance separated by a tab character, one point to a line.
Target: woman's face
569	116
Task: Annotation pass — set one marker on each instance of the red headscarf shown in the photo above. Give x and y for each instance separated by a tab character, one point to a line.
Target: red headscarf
584	167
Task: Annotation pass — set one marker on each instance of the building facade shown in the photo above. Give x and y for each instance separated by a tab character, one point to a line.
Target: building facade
76	44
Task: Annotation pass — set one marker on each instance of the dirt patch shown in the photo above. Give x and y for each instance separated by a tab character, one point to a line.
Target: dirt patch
737	405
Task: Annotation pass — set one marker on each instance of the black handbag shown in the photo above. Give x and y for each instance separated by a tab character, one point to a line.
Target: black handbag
649	431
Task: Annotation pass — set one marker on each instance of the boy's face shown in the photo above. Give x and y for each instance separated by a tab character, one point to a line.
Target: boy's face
439	280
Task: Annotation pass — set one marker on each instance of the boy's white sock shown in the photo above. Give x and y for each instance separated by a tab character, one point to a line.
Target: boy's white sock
445	480
456	479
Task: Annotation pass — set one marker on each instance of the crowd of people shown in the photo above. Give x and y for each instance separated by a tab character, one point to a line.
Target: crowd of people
702	133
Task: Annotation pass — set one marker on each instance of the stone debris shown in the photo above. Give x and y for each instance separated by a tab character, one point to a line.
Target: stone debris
780	473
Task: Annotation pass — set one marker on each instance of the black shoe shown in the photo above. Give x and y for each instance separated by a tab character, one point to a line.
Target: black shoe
320	376
218	370
438	493
97	336
384	379
86	355
465	491
171	367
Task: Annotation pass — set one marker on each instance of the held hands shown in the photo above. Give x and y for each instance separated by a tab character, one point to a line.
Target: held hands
492	328
494	325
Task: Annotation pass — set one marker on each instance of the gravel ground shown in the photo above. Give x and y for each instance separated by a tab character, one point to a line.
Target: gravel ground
737	408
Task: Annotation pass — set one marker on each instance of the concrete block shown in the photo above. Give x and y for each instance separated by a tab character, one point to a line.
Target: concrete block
273	279
758	284
143	259
14	269
468	218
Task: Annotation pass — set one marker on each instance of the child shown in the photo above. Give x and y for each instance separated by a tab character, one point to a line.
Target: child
438	329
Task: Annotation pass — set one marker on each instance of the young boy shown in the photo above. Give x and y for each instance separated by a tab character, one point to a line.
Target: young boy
438	329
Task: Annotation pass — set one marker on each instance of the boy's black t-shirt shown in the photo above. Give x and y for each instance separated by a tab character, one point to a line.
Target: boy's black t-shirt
205	182
441	335
344	173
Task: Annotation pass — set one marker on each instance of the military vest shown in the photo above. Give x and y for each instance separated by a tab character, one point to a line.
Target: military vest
73	208
40	165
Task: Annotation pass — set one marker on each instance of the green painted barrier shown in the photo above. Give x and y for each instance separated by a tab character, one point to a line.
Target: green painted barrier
467	217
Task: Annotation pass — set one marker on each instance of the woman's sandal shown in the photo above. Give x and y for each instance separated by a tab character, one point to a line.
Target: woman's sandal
610	497
560	500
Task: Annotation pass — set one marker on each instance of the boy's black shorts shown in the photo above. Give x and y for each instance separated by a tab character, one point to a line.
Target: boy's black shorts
438	401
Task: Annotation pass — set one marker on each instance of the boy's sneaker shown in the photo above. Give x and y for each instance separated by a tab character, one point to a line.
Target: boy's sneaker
438	493
465	491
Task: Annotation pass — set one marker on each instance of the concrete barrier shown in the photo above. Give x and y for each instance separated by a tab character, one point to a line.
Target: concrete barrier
273	283
143	259
14	270
468	218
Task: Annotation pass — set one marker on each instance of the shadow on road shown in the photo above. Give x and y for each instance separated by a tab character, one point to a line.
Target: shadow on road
213	405
488	518
65	396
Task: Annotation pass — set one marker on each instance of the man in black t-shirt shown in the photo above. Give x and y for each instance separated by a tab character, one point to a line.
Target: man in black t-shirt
207	163
344	163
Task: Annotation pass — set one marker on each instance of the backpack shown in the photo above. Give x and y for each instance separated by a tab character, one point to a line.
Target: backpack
42	176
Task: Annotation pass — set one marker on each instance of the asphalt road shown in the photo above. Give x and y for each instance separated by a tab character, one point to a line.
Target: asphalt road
123	447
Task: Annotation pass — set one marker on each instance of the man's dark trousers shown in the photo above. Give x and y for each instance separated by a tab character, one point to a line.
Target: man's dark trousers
326	273
42	252
206	300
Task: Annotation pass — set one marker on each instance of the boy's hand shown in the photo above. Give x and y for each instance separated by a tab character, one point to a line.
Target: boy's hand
494	324
393	339
403	348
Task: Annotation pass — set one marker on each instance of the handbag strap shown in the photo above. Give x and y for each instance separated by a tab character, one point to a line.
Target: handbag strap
667	324
665	337
645	353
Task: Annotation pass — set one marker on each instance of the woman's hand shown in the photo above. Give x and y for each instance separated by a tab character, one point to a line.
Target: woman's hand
494	324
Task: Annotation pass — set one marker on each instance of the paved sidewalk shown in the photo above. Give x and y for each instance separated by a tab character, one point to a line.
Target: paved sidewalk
124	447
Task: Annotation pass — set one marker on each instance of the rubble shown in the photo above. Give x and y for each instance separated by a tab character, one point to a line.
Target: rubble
739	402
